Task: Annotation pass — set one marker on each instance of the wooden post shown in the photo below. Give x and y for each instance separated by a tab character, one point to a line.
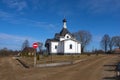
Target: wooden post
51	57
118	73
71	58
35	61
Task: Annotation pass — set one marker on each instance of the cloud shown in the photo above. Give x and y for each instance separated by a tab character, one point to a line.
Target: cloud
13	19
16	4
41	24
8	40
8	17
5	15
4	36
53	6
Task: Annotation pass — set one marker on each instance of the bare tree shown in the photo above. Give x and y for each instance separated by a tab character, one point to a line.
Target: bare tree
105	42
116	41
25	44
84	37
40	46
111	43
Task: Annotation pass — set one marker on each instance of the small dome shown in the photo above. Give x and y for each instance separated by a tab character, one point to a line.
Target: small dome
64	20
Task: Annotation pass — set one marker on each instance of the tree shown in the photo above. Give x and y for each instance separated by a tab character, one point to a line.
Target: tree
116	40
84	37
111	43
40	46
25	44
105	42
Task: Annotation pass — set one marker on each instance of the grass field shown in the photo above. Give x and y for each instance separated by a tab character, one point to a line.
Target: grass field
56	58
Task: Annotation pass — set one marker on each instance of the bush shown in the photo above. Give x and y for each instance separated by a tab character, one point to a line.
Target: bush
45	54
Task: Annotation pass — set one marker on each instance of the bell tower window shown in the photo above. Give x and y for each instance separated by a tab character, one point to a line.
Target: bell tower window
67	36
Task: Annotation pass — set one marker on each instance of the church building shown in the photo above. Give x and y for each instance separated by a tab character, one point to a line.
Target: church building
63	42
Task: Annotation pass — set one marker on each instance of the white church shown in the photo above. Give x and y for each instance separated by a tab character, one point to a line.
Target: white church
63	43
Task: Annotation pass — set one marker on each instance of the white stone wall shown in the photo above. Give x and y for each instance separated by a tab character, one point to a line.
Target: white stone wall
62	38
61	47
79	48
75	47
64	47
53	50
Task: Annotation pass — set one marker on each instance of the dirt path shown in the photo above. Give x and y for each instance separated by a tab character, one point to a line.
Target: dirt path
89	70
98	68
6	69
10	69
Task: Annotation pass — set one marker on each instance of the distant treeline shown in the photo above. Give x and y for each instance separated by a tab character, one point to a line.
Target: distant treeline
5	52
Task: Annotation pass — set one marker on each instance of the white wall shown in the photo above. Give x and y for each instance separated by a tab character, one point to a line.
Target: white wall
62	38
75	47
53	44
61	47
79	48
64	47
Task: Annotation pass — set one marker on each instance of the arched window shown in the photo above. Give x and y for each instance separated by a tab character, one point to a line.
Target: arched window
70	46
67	36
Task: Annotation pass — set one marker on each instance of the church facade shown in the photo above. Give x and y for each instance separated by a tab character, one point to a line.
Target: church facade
63	42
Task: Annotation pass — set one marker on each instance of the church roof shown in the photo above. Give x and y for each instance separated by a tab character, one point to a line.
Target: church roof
57	35
49	40
64	31
28	49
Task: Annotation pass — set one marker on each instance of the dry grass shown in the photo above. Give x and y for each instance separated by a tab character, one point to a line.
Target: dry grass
55	58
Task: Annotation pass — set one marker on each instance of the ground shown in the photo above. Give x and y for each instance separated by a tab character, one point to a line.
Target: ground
94	68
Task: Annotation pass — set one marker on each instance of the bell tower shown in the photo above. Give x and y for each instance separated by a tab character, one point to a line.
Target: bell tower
64	23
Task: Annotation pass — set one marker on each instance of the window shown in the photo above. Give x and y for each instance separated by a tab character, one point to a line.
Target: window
67	36
55	47
70	46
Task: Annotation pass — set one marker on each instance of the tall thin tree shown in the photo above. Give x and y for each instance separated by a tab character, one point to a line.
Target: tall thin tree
25	44
105	42
116	41
111	44
40	44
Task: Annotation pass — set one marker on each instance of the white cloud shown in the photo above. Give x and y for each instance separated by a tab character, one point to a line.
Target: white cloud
14	41
12	18
42	24
16	4
5	15
11	37
15	38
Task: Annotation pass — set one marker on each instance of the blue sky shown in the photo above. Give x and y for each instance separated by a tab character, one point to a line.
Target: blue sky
37	20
